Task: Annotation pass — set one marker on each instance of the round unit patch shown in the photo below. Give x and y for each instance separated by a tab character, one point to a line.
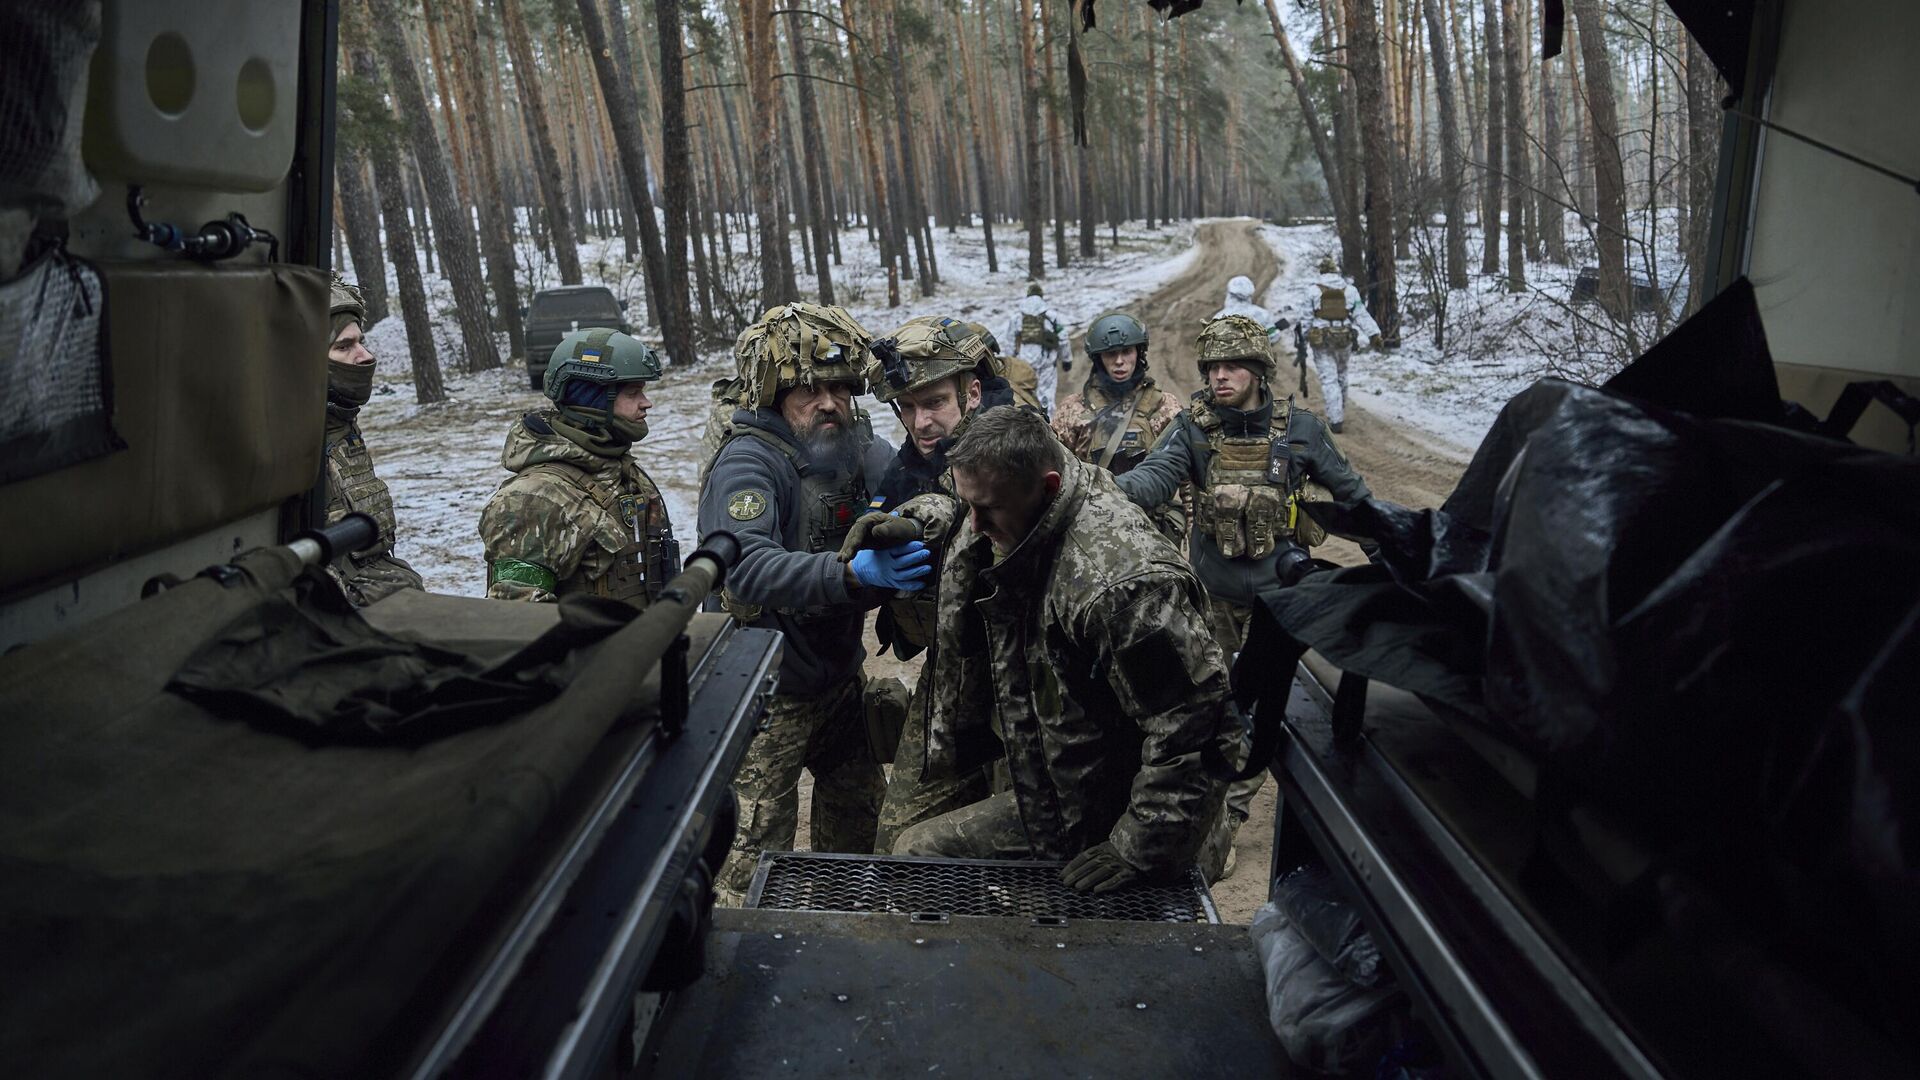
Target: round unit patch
746	505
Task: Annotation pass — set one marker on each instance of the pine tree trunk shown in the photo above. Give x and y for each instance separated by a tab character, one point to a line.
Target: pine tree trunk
546	166
1453	179
1030	121
875	164
810	146
1345	215
384	156
1056	186
676	189
1703	143
1496	139
1553	216
1364	50
1610	192
612	64
756	28
913	212
983	183
458	254
363	231
1517	152
496	232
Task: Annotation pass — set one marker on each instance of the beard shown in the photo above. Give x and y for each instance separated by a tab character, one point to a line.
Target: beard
826	434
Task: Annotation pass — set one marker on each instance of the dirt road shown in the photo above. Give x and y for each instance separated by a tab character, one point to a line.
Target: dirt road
1398	464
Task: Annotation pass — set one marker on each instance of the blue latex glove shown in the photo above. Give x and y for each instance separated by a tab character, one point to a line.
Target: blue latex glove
904	567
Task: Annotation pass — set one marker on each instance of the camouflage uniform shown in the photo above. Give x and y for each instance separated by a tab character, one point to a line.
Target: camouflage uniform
574	519
1083	656
1085	423
1249	469
922	488
791	510
352	487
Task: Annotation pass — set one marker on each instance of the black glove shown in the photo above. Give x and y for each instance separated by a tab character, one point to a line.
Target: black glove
879	530
1099	869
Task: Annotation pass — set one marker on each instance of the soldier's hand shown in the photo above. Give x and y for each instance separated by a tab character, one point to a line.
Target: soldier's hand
1374	343
904	568
879	530
1099	869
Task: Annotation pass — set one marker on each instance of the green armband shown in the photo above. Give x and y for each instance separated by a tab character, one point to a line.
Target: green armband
524	573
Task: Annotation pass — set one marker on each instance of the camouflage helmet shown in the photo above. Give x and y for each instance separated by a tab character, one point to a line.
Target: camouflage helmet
1116	330
800	344
924	351
345	304
1327	265
1237	338
600	357
1033	289
985	335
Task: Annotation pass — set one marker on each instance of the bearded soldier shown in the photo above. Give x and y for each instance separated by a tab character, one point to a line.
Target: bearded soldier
794	473
1039	337
351	485
579	514
1249	457
1335	322
1072	638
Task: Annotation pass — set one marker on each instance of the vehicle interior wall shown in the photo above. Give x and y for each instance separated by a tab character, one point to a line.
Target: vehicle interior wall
215	370
1834	248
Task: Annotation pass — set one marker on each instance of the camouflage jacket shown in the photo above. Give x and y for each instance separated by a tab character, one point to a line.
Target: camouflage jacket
572	520
1084	421
1085	656
353	487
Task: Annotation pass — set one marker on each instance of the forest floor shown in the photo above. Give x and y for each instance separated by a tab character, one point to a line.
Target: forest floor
442	461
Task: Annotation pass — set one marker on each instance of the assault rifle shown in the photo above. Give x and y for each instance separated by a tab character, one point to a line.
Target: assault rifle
1300	355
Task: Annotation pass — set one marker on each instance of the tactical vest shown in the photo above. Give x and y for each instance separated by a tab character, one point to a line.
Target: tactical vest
650	556
1039	330
1134	412
1249	503
828	504
1333	311
353	488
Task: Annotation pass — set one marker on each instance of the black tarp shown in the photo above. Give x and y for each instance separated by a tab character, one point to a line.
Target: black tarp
1706	626
186	895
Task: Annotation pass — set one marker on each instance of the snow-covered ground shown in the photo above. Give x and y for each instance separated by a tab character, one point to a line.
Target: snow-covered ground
442	461
1498	342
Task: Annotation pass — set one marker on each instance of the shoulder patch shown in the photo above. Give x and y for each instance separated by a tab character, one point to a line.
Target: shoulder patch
746	505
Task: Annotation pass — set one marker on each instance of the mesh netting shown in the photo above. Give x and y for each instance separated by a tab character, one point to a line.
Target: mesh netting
43	93
54	406
799	881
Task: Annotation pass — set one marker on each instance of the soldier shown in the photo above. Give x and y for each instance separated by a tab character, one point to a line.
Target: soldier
1118	414
1249	457
1039	337
351	485
791	478
579	515
1240	302
930	373
1335	321
1071	638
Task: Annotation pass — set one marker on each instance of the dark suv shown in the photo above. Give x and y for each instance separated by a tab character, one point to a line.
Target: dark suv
554	313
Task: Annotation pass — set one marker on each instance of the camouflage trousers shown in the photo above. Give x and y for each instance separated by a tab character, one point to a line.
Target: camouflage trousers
374	579
913	797
988	829
1330	362
826	736
1229	623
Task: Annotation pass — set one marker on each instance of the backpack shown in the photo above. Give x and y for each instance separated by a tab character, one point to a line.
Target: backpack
1333	304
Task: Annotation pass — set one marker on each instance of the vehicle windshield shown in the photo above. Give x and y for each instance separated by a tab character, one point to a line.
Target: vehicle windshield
588	305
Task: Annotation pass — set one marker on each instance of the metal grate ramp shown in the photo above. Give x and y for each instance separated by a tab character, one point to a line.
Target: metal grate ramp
867	884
